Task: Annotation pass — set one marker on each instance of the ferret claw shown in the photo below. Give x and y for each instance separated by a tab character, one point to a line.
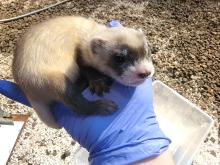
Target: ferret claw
101	86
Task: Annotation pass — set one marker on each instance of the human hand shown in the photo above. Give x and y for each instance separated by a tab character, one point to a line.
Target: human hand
128	135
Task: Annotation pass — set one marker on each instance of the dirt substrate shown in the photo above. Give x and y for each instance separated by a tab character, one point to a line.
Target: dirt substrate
184	35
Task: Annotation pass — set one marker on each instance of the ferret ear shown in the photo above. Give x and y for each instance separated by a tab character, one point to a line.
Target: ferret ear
98	45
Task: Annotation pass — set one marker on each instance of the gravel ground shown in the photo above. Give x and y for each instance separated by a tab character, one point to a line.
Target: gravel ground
184	36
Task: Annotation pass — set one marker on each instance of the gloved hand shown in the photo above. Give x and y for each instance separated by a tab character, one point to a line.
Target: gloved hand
126	136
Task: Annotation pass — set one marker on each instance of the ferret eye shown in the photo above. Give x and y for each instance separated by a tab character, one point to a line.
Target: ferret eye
119	59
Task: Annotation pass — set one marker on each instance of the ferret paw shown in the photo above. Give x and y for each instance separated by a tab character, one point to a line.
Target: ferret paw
100	86
98	107
103	107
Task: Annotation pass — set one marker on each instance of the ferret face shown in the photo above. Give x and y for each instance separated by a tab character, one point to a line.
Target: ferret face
123	54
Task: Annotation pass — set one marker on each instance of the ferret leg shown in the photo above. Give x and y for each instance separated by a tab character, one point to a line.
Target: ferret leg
98	82
70	94
44	113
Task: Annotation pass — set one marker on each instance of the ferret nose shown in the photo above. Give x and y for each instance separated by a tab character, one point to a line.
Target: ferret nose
144	75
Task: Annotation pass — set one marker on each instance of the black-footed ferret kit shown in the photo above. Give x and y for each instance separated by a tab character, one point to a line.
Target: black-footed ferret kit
56	58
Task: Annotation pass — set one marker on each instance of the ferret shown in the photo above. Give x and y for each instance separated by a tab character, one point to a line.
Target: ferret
54	58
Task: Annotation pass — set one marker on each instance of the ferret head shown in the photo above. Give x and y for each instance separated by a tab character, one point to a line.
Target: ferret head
123	54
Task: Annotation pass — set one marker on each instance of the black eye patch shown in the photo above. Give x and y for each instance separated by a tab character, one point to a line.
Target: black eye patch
120	56
121	59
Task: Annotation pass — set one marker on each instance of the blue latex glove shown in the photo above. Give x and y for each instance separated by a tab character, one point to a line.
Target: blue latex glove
126	136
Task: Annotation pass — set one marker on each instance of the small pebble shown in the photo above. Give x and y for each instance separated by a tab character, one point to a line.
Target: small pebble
65	154
154	50
54	153
212	140
213	153
48	152
73	143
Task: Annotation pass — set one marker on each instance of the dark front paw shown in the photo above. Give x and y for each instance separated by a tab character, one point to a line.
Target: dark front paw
103	107
100	86
98	107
